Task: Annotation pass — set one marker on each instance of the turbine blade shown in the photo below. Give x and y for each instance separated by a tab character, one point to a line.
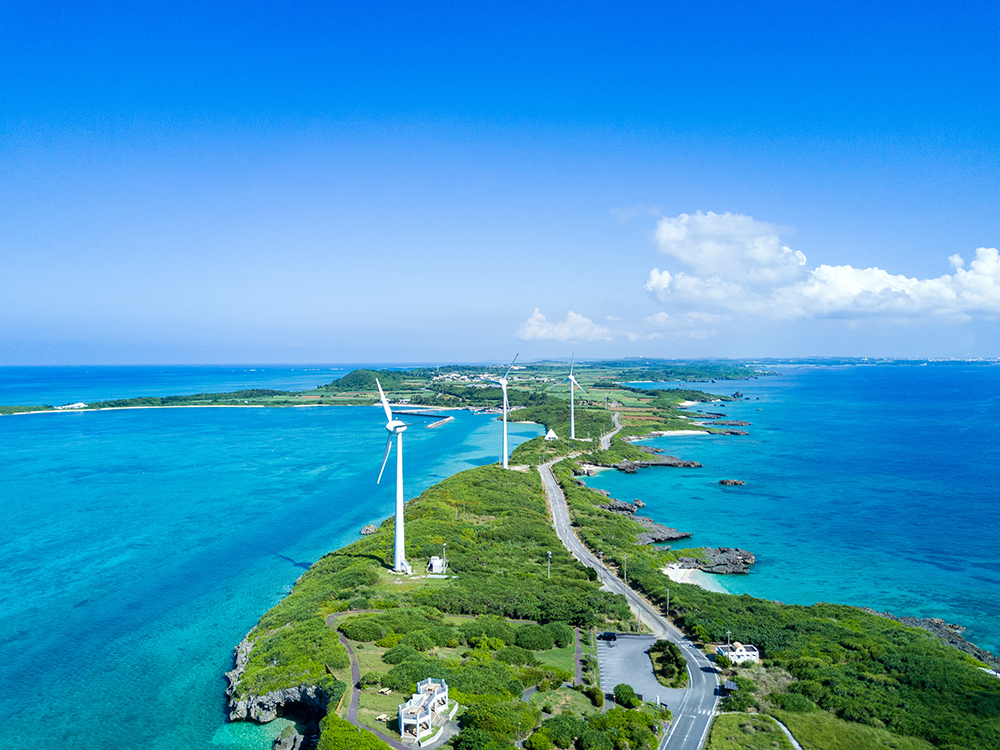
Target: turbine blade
388	447
571	361
511	365
385	403
577	384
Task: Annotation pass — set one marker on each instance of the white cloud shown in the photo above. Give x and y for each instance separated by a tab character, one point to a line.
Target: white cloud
574	327
729	246
736	264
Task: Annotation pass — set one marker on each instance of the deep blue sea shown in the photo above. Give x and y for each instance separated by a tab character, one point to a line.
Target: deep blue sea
139	546
866	485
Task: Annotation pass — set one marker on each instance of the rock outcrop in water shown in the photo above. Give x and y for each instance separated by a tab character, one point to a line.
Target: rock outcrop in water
721	561
653	532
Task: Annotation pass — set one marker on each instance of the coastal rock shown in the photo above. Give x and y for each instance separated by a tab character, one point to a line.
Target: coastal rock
721	561
732	482
652	532
289	739
369	529
656	532
308	699
619	506
733	423
649	449
630	467
947	632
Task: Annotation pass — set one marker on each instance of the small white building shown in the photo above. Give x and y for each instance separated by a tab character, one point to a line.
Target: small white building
428	705
737	653
436	565
551	435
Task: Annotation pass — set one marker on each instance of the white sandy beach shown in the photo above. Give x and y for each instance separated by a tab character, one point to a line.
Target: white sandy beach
697	577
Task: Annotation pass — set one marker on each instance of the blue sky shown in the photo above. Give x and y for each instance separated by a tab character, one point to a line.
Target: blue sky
424	182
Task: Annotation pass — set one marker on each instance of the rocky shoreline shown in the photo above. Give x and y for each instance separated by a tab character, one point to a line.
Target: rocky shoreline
720	561
949	633
654	532
306	702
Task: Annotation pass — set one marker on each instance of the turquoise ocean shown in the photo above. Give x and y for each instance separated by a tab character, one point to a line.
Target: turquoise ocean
866	485
139	546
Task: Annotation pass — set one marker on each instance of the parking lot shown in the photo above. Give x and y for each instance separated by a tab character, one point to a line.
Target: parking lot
626	661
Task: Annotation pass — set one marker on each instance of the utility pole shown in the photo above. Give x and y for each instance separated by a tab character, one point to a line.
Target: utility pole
548	572
668	602
626	568
444	556
728	633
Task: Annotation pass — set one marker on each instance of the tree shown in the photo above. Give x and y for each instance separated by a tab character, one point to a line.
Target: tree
625	696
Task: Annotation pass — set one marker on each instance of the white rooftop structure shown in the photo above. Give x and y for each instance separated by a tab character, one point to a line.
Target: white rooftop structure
551	435
737	653
418	715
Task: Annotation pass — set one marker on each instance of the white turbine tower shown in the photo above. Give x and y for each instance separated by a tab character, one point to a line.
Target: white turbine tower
506	407
572	413
395	427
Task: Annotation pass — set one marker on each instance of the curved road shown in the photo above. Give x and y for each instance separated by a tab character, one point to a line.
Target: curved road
606	439
693	717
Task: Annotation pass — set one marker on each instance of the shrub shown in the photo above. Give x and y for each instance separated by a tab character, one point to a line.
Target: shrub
625	696
338	734
389	640
371	678
723	662
596	696
399	654
419	639
364	628
540	740
561	633
489	626
564	729
534	637
594	739
792	702
517	655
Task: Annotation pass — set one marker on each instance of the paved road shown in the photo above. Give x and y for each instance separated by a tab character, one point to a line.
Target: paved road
606	439
693	717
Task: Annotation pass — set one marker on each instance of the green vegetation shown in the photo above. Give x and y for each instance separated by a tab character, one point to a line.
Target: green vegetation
590	423
856	666
498	534
746	732
669	664
822	731
337	734
625	696
618	729
23	409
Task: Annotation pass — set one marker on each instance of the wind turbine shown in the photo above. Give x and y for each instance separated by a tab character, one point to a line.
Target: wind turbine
572	414
395	427
506	406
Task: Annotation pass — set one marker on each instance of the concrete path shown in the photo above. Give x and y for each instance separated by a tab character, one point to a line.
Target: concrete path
693	717
788	734
606	439
355	688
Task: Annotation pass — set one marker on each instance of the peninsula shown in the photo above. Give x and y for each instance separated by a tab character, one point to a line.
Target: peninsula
512	631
